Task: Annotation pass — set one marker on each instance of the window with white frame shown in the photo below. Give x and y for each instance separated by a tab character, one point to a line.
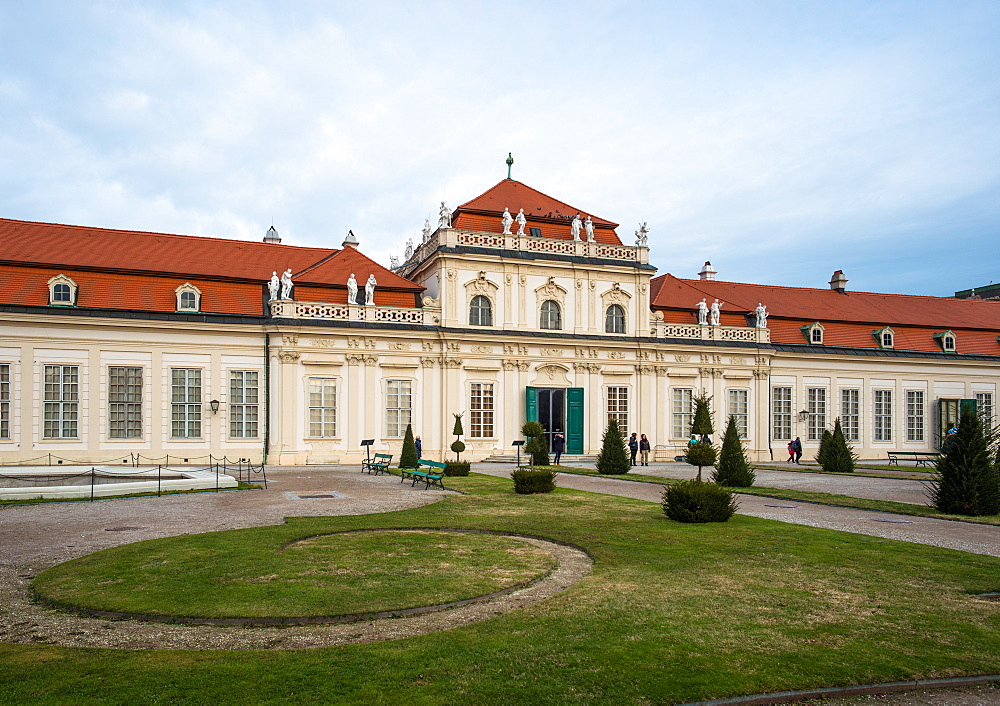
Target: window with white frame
885	337
816	406
551	315
185	403
124	402
481	410
984	403
322	408
617	407
914	415
480	311
61	402
62	291
682	412
850	413
398	407
883	415
813	333
188	297
4	400
244	404
614	319
739	407
781	413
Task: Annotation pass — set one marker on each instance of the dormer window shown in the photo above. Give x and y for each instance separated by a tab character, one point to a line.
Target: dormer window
814	333
62	291
188	297
885	337
536	232
947	341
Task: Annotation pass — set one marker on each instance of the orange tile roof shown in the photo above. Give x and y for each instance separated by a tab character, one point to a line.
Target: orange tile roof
552	216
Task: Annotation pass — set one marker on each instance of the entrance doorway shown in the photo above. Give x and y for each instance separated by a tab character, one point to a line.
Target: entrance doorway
552	412
560	410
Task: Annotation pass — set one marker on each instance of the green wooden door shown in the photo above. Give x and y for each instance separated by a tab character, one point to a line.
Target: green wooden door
574	420
530	405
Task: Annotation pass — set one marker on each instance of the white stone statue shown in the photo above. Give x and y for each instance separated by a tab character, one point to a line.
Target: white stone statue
642	235
286	284
588	227
761	315
370	290
702	312
444	218
716	314
393	262
575	226
409	249
521	222
507	220
352	290
273	286
427	230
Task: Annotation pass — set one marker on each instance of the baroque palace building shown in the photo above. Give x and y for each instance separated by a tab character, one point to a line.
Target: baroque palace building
517	306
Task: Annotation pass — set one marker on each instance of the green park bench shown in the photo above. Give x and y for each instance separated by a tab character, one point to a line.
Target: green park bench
378	464
923	458
429	476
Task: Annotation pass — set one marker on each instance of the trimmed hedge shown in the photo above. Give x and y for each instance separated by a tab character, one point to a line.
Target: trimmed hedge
455	468
528	481
694	501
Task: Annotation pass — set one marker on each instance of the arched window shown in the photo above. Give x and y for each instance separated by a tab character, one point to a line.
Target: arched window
188	297
885	337
614	320
480	311
551	315
189	300
62	291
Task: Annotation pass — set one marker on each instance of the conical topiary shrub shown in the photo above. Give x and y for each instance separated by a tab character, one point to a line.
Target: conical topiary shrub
840	456
968	472
733	469
701	425
408	456
536	447
824	447
613	458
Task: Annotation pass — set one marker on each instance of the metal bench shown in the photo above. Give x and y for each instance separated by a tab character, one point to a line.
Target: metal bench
378	464
922	458
429	477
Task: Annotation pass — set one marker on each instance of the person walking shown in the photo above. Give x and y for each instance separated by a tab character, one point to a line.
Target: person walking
791	452
558	444
644	450
633	446
798	449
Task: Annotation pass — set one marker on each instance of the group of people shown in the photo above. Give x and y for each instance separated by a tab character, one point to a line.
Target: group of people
794	451
636	446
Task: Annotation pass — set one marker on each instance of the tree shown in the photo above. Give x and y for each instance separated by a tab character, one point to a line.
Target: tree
824	448
733	469
408	457
701	426
968	472
458	446
700	454
536	448
613	458
840	456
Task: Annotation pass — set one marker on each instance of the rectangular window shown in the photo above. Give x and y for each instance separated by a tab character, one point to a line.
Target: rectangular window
781	413
244	404
481	410
398	406
124	402
984	403
883	415
185	403
618	406
5	401
914	415
850	414
322	407
61	401
739	408
816	407
682	412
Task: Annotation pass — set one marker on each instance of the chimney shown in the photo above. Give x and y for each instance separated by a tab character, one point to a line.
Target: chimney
838	282
351	241
272	236
707	272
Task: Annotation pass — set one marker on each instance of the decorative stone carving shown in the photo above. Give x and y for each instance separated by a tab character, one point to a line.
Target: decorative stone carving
661	371
398	346
508	278
370	343
706	358
393	262
702	313
452	274
428	362
761	312
323	343
514	349
616	295
507	220
408	253
733	360
480	287
616	355
761	361
273	286
521	222
354	343
454	347
682	358
551	375
431	303
551	290
289	356
444	216
642	290
370	290
523	365
425	234
642	355
760	374
427	345
509	365
642	235
575	226
352	290
452	363
482	349
593	285
660	356
716	313
523	279
711	372
588	226
370	360
550	352
289	339
644	369
286	284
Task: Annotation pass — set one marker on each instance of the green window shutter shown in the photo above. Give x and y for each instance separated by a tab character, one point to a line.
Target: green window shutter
531	404
574	420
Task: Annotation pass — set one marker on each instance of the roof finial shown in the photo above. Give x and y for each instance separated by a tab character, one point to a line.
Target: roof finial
510	163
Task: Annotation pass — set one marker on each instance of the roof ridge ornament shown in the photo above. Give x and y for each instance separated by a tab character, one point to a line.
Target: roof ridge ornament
510	163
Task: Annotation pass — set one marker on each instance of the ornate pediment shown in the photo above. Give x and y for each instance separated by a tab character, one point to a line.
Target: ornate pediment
616	295
551	290
481	285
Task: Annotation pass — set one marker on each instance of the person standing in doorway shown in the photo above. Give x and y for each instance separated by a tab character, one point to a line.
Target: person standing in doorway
558	444
798	449
420	447
644	450
633	446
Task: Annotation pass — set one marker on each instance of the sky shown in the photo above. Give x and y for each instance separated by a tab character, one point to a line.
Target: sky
780	140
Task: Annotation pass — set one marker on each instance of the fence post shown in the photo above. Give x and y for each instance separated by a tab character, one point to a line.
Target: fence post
91	484
216	477
159	468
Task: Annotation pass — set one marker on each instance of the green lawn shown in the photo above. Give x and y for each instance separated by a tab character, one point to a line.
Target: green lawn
671	613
